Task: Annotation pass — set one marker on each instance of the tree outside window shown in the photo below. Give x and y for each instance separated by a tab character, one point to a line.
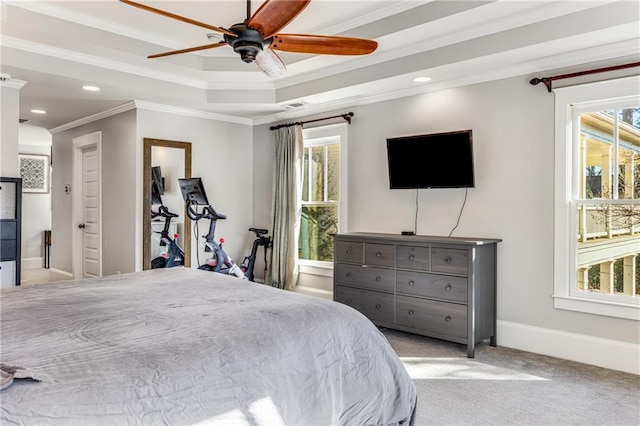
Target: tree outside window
320	199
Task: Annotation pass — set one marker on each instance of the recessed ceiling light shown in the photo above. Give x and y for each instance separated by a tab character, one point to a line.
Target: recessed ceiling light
91	88
38	111
422	79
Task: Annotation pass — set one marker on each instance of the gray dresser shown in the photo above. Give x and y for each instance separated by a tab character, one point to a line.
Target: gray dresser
442	287
10	230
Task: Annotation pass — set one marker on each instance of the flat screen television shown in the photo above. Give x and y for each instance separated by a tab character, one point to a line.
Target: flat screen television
437	160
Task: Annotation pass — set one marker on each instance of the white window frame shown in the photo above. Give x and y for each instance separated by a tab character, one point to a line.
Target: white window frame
320	136
569	103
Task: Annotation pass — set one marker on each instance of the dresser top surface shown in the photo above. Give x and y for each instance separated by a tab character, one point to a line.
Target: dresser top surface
421	238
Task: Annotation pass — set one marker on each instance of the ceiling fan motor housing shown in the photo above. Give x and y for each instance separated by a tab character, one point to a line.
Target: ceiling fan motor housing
247	42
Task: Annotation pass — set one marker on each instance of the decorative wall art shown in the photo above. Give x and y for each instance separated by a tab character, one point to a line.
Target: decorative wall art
34	171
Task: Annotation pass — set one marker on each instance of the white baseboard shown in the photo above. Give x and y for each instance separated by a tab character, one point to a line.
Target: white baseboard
607	353
311	291
62	275
28	263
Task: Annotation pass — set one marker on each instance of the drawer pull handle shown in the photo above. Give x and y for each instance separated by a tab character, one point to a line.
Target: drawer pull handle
349	251
378	278
378	254
348	274
411	282
447	259
412	257
410	311
447	318
448	287
349	301
378	306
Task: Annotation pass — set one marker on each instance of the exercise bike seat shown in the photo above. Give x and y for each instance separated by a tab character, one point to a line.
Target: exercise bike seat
259	231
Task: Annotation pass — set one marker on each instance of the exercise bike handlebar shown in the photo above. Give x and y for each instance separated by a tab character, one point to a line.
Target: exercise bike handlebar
164	212
208	212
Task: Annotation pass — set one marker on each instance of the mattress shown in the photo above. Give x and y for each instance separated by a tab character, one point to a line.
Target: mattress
183	346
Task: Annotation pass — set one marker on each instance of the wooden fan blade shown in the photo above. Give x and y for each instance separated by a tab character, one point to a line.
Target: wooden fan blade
270	63
322	44
178	17
273	15
189	49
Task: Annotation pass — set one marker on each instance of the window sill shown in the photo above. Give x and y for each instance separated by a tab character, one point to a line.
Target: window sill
597	307
323	269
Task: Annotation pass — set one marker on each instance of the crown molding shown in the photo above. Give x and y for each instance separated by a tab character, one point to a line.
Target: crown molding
94	117
537	65
92	22
11	83
150	106
85	59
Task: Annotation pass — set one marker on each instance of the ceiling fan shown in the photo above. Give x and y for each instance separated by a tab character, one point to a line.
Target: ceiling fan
257	37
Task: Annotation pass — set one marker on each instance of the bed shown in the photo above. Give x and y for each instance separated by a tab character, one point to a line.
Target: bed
182	346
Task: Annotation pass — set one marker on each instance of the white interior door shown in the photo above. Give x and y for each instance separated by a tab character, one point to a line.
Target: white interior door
90	213
87	245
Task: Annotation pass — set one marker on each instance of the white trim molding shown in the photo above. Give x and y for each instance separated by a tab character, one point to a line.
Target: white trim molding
607	353
31	263
567	101
316	292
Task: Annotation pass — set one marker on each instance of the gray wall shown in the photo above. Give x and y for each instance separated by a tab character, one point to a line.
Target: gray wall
222	156
513	131
9	108
119	170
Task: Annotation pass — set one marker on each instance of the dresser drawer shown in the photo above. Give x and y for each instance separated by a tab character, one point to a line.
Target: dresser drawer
444	287
379	254
367	277
8	229
410	257
452	261
429	315
374	305
8	250
349	251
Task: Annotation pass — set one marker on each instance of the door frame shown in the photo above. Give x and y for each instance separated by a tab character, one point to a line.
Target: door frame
81	143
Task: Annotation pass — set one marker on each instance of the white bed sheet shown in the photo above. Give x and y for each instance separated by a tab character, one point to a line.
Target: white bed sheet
182	346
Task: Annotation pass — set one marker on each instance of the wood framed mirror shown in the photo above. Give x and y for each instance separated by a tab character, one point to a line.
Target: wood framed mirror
173	158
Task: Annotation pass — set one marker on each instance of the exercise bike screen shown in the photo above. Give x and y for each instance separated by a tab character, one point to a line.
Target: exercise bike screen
193	191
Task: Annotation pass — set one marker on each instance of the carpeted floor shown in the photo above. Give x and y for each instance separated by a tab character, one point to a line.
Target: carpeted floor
503	386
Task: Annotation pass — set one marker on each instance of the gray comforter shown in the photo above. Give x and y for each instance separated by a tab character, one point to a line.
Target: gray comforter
183	346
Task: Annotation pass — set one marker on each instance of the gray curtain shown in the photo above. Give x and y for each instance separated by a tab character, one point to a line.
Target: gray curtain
287	187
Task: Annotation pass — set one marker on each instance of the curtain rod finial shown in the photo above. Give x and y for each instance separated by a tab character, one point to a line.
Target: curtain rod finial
547	82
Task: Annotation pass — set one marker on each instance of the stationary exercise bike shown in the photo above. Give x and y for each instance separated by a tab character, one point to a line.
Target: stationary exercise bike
174	255
249	262
194	196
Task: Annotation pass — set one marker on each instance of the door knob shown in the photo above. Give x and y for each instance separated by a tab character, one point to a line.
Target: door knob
81	226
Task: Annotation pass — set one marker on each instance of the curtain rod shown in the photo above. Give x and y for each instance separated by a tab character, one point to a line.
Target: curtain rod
549	80
346	117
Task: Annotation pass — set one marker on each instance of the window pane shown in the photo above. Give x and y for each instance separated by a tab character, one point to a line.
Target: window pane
608	250
316	228
317	173
596	155
629	153
333	172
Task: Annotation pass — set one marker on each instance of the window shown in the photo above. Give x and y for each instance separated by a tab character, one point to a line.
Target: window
597	202
324	180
